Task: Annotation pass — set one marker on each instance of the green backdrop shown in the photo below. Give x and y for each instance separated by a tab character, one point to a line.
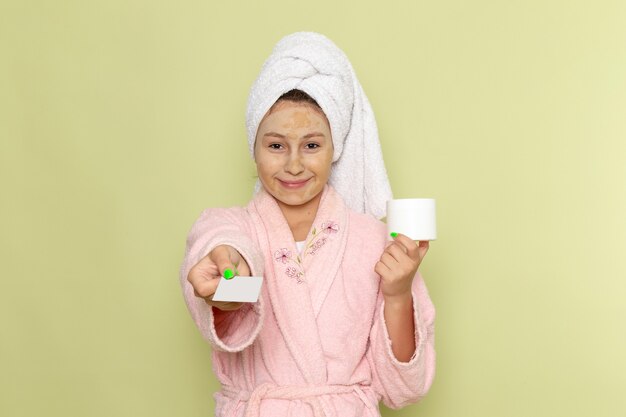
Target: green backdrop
120	121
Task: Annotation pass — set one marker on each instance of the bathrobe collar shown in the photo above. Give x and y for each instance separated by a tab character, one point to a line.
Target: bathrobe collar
297	284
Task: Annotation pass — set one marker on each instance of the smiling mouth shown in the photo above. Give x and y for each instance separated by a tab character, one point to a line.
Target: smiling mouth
293	184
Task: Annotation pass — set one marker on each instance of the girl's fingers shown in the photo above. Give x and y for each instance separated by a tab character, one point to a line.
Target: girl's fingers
396	243
388	260
243	270
202	287
205	268
226	305
381	269
423	248
398	252
408	244
221	255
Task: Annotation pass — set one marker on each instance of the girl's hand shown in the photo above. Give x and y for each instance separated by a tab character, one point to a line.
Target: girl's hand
398	265
206	274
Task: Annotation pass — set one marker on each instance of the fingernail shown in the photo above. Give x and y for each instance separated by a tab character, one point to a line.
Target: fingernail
228	274
393	234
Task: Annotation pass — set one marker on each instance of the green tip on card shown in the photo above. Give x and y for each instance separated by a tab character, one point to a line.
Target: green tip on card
393	234
228	274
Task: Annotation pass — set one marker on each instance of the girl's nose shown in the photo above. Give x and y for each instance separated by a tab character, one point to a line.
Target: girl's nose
294	165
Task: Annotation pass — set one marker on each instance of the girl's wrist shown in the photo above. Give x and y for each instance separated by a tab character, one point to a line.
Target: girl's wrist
400	300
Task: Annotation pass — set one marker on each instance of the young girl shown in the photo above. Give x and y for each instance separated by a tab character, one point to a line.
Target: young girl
344	319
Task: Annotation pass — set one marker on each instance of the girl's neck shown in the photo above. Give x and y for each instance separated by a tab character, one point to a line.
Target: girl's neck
300	218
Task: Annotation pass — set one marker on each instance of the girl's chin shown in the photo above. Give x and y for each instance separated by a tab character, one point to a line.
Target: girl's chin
294	201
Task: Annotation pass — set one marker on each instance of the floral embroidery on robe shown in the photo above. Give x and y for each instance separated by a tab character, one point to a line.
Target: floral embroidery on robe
311	247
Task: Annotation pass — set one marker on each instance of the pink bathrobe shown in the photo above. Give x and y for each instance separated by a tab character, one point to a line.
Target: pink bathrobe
316	342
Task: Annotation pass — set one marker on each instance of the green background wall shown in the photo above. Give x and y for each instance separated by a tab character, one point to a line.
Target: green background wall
120	121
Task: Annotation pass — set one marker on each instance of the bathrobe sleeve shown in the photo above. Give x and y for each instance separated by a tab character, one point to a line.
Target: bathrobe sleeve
402	383
227	331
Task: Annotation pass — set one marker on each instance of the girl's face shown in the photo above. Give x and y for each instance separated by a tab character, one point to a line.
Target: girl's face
293	152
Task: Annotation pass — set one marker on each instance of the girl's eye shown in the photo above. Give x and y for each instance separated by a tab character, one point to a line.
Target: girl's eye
308	145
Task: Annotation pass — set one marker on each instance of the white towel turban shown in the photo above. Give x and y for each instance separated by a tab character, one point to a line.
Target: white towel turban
311	62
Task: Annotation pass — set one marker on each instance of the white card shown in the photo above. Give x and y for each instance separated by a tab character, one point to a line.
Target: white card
240	289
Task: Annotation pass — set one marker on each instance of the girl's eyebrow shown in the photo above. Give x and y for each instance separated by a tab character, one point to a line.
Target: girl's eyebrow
307	136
